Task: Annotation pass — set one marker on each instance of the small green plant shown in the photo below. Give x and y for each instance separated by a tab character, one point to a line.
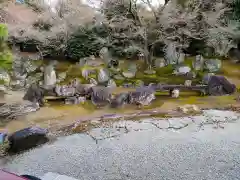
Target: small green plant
5	53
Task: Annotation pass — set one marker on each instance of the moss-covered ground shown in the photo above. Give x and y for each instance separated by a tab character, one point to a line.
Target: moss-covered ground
58	114
163	75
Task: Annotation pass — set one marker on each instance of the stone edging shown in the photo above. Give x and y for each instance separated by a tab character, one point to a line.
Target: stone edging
132	116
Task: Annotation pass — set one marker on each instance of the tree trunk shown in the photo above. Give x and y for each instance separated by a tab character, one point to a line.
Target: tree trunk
146	51
150	57
146	56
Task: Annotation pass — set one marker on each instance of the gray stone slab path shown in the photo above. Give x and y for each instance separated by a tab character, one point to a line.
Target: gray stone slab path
196	148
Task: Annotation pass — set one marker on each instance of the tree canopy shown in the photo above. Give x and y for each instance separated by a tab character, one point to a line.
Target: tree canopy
130	27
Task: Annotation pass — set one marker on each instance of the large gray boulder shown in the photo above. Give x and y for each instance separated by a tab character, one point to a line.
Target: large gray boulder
142	96
84	89
27	138
120	100
219	85
213	65
50	77
100	95
35	94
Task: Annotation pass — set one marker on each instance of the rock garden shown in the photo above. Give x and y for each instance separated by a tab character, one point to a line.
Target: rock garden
123	67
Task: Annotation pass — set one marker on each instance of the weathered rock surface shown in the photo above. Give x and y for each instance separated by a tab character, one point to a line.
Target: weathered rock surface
171	54
176	148
142	96
4	77
103	76
181	70
160	62
213	65
75	100
111	83
86	73
50	77
15	110
35	94
65	90
198	63
219	85
120	100
27	138
100	95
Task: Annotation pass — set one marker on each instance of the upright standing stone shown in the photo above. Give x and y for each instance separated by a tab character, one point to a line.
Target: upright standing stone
50	77
159	62
103	76
181	58
171	54
105	55
198	63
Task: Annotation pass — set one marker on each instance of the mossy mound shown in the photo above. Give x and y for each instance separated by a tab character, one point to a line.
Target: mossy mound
162	75
165	71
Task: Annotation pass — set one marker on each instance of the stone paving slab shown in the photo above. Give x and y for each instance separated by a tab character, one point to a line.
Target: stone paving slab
211	154
134	125
103	133
214	118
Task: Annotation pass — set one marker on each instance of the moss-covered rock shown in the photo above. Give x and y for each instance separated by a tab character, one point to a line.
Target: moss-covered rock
138	83
189	62
165	71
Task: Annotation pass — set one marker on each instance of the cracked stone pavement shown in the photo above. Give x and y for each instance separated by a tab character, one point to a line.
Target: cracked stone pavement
191	148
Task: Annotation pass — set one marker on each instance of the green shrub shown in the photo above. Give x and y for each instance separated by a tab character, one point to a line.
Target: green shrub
85	42
5	54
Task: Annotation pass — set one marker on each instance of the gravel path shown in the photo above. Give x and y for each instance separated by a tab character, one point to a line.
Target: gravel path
197	148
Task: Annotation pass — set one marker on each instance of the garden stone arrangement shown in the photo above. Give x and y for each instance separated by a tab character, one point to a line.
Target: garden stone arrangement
98	79
98	82
121	61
